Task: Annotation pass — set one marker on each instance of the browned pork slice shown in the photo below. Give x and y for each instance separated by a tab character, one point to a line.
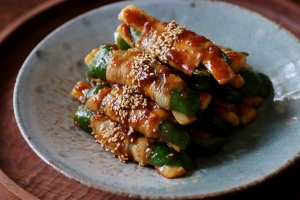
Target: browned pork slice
173	44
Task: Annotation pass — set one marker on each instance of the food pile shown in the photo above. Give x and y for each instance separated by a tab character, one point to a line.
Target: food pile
163	94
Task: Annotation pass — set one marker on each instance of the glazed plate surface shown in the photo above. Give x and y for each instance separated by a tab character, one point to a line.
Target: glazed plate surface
43	104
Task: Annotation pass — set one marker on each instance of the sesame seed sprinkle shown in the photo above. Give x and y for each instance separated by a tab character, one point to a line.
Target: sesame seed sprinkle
130	98
112	138
164	42
140	68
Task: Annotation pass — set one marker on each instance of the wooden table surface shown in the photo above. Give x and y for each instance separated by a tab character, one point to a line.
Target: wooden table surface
23	175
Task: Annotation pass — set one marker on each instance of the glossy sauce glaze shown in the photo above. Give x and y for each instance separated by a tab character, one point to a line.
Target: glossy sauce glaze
121	141
144	118
187	51
156	81
79	90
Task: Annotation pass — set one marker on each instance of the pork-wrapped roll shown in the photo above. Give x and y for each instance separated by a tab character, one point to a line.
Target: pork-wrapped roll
173	44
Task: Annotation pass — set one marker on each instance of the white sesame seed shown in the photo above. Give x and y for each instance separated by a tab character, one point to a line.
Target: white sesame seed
129	99
164	42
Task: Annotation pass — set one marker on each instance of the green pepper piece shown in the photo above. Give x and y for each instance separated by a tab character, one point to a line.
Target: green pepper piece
97	67
135	35
186	101
226	58
252	83
245	53
121	42
203	144
82	117
225	92
231	95
198	72
174	134
162	154
218	125
212	123
266	86
201	71
94	90
201	83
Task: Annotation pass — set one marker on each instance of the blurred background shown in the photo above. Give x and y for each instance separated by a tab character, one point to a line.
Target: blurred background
12	9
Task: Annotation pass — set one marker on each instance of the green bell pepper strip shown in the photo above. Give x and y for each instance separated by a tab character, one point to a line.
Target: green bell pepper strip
231	95
226	58
174	134
135	35
219	126
162	154
225	92
212	123
186	101
94	90
97	67
245	53
252	83
266	86
82	116
201	71
121	42
203	144
201	83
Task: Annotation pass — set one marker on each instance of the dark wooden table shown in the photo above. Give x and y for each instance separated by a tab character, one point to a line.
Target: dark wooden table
23	175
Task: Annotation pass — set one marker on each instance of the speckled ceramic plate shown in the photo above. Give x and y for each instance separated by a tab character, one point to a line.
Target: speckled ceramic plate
43	104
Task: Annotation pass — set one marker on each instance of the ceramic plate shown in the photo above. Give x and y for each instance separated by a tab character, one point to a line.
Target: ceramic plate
43	104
